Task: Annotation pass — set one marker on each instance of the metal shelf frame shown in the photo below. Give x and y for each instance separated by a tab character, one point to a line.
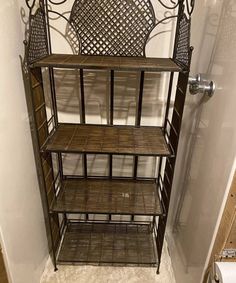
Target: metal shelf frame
97	54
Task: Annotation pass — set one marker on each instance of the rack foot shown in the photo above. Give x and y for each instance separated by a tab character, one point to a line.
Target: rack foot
158	269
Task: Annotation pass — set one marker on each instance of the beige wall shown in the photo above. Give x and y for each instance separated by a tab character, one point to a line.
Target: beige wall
21	218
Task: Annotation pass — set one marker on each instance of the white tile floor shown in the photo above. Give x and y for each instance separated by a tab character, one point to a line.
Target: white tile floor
98	274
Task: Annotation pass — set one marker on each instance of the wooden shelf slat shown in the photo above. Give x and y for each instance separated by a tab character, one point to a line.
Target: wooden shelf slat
103	139
108	196
121	244
109	63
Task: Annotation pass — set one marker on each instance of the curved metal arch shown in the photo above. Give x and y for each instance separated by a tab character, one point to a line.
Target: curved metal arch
168	7
59	15
68	22
159	22
189	5
165	19
67	39
30	6
57	3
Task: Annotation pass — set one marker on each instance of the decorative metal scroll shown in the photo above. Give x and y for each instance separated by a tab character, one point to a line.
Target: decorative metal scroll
113	27
37	46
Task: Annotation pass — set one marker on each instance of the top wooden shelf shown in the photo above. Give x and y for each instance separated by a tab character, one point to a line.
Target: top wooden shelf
108	63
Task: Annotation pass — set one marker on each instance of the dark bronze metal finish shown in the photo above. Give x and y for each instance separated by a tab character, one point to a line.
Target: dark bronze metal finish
109	63
115	32
103	139
126	197
37	44
112	27
108	243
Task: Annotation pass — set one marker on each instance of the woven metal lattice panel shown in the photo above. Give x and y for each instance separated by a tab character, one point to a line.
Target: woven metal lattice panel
183	41
112	27
37	47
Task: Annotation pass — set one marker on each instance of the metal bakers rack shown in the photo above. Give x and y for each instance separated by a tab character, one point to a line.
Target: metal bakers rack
107	35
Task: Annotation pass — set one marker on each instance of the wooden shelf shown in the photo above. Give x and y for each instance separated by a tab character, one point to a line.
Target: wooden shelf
109	63
108	196
114	244
128	140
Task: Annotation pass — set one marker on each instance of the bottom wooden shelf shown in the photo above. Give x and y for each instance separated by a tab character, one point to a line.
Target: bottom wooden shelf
109	244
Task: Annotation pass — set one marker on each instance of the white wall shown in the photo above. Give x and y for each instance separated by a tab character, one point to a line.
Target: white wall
21	217
208	142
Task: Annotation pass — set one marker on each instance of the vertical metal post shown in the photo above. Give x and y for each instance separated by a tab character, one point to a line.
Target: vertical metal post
83	116
165	124
138	122
47	31
48	27
83	120
172	74
111	114
52	85
54	106
168	100
111	118
138	117
180	101
82	96
140	100
40	170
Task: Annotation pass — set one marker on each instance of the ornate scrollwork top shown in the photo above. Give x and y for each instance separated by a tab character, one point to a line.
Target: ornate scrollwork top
190	6
30	4
174	4
113	27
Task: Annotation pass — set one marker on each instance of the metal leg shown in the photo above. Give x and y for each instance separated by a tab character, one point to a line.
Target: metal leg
111	117
137	123
158	269
83	121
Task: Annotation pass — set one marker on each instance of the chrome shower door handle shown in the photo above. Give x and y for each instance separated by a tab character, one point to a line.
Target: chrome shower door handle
201	85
